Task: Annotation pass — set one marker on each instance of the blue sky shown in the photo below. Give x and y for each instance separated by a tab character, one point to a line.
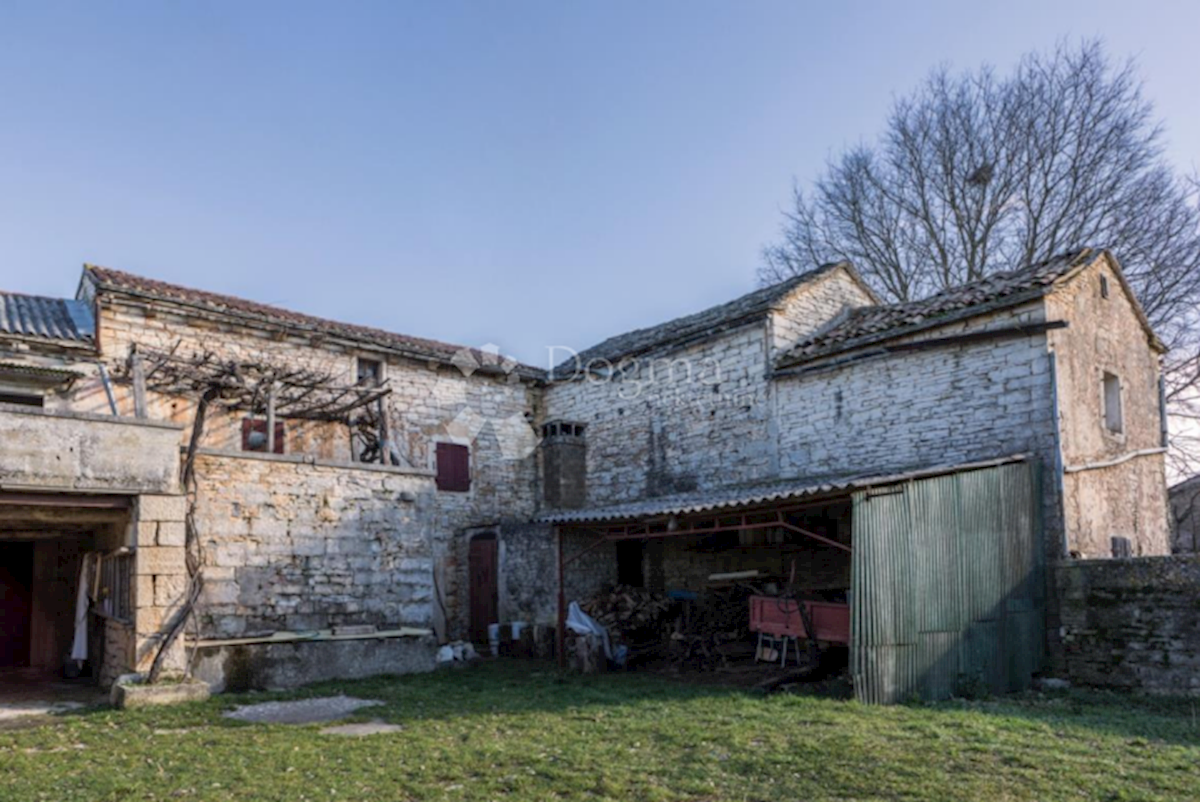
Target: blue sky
521	173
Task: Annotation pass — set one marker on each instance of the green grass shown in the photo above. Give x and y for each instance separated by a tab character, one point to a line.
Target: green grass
521	731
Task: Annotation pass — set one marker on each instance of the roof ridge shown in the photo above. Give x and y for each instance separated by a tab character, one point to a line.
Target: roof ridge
875	323
120	281
748	305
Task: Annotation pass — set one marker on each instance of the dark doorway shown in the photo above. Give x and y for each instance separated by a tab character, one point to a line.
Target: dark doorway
483	565
16	581
629	563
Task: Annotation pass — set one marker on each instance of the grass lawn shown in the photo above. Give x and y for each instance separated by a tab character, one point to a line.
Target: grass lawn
521	731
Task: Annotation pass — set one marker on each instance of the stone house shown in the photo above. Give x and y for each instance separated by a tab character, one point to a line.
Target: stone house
766	433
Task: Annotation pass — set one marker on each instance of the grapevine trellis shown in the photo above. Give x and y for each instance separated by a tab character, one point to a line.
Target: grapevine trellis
217	382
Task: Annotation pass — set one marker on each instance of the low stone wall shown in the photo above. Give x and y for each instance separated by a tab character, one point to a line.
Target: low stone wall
267	666
1131	624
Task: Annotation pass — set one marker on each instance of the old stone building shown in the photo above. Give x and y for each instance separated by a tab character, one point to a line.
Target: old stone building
460	489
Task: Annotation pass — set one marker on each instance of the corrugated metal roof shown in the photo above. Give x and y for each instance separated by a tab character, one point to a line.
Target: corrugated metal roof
37	371
60	319
752	496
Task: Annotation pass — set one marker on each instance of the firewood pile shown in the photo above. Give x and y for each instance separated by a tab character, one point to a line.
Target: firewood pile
718	626
626	611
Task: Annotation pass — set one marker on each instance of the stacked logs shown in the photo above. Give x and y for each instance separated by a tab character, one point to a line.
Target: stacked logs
625	610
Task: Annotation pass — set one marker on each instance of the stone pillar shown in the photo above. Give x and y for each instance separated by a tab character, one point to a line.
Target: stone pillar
161	578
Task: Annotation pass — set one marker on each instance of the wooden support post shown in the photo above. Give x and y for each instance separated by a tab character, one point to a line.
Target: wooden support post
385	448
138	372
271	393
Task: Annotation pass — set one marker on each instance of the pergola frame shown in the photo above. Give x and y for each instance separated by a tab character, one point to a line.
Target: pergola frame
668	526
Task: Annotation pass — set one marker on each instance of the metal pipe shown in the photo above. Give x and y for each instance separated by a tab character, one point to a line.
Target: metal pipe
561	635
1091	466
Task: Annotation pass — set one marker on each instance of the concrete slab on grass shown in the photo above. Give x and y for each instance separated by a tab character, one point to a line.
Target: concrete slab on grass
359	730
301	711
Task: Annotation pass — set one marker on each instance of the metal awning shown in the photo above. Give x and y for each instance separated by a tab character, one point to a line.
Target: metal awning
723	510
748	496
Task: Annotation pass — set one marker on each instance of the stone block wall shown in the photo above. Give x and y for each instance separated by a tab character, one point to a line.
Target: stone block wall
295	546
1131	624
160	577
494	415
942	406
1107	493
812	306
690	419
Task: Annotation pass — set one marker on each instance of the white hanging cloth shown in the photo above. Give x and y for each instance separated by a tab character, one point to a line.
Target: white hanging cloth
79	647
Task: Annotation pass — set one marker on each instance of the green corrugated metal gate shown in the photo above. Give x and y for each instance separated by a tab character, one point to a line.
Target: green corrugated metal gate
948	584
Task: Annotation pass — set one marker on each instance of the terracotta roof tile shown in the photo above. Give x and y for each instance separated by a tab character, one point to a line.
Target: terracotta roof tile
872	324
117	281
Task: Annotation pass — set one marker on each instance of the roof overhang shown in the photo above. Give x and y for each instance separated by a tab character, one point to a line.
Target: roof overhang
659	512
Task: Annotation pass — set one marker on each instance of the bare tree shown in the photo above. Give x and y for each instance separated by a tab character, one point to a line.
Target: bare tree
979	172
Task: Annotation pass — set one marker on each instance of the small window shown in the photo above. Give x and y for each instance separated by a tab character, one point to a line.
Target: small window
254	435
563	429
23	399
1104	286
1122	548
370	372
1113	420
453	468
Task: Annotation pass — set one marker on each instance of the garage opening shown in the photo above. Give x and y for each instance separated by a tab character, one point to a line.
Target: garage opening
51	648
926	584
753	593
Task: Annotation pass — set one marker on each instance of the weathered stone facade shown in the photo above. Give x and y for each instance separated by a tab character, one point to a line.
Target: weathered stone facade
1113	483
1132	624
293	546
313	539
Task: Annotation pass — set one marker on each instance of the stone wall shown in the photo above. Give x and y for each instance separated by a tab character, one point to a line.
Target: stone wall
528	574
295	546
1114	482
691	419
160	581
495	416
947	405
688	562
119	645
812	306
1131	624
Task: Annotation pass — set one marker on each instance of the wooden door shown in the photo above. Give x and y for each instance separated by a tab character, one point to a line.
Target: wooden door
483	564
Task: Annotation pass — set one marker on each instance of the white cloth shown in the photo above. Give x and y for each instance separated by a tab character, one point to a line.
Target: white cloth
79	647
583	624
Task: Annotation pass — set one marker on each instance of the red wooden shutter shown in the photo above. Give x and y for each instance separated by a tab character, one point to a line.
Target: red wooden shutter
453	468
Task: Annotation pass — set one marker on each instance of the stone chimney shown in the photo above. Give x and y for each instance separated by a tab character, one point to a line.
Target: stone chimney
564	465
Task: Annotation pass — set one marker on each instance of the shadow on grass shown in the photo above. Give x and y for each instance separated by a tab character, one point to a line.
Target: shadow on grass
1139	718
516	688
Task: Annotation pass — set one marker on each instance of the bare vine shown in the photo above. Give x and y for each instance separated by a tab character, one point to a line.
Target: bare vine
213	380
